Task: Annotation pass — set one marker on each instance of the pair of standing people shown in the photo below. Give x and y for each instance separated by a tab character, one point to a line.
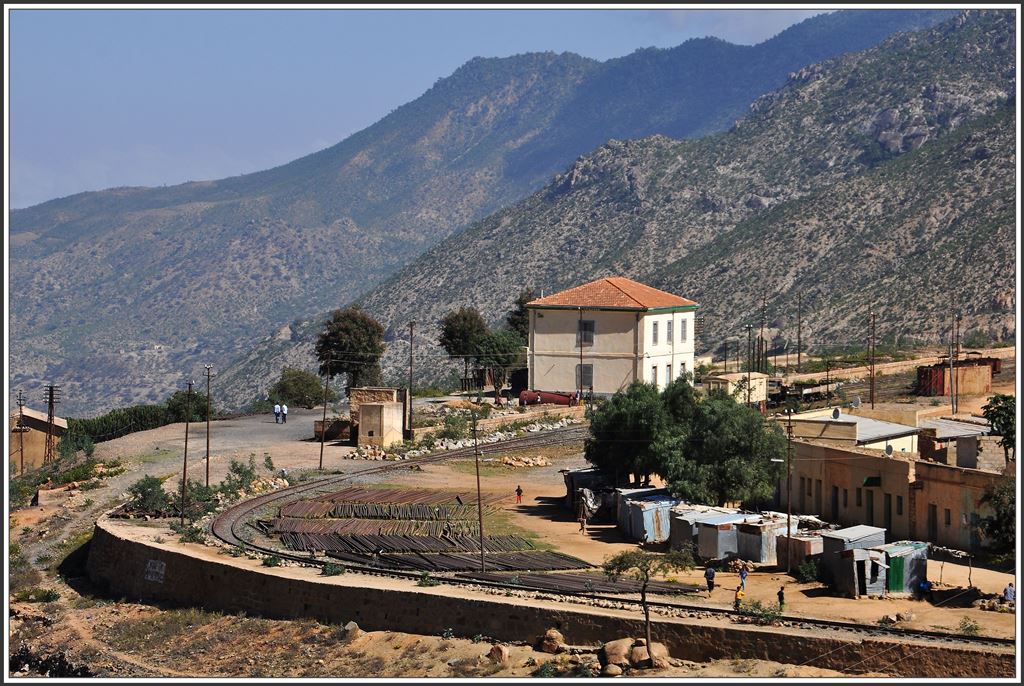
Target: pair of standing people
280	414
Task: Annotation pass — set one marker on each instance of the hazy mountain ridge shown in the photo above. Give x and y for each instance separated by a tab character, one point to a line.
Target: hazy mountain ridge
882	144
122	292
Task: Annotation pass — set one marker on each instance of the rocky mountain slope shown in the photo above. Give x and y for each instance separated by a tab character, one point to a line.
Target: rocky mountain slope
878	179
122	294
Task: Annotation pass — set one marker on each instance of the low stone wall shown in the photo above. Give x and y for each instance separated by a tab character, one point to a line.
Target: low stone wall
140	571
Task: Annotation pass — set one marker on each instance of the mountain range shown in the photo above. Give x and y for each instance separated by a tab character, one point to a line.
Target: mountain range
123	293
875	181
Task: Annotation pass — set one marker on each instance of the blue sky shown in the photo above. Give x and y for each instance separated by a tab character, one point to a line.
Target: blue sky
103	98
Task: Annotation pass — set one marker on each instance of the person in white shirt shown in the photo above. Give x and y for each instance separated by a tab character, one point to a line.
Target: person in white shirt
277	414
284	414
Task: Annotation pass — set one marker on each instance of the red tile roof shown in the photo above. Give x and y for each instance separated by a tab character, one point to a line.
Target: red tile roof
614	292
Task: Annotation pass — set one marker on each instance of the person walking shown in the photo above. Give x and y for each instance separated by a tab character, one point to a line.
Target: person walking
277	413
743	577
284	413
583	518
782	598
738	598
709	576
519	494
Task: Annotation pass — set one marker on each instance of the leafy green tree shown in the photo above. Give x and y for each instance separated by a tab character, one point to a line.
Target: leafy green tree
1001	413
200	499
624	431
461	331
727	455
643	566
500	352
351	343
301	388
519	318
1001	527
71	442
976	338
179	402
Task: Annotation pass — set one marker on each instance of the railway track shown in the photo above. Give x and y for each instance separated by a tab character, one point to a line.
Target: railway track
226	528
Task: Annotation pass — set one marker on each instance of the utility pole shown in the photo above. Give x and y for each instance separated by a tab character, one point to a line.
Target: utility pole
323	424
789	491
20	428
871	347
762	357
411	326
479	502
952	368
209	373
956	365
184	462
52	398
749	361
726	356
828	394
799	343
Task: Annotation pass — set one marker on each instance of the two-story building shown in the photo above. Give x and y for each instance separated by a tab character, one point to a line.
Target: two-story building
608	333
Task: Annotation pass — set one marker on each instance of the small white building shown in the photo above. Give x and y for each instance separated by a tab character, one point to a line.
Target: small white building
608	333
737	383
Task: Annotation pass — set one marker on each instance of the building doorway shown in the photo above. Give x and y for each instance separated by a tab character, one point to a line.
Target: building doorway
835	503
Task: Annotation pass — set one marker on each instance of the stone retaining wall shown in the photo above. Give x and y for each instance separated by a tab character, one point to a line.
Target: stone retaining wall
139	571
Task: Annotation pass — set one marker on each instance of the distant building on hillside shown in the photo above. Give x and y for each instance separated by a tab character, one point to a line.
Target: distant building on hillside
608	333
737	382
27	445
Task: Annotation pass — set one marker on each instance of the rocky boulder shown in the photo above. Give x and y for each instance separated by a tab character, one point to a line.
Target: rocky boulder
616	652
499	654
551	642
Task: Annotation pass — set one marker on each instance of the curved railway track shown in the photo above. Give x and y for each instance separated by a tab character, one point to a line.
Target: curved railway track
226	528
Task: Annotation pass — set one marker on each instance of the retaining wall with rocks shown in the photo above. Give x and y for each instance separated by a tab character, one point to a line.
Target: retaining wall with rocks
138	570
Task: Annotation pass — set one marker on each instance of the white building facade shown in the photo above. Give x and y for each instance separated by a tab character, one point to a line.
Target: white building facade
608	333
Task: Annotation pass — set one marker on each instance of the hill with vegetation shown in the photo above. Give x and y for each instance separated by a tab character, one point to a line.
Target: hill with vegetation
123	294
879	180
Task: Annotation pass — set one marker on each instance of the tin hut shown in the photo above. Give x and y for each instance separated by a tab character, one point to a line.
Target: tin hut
804	544
846	565
907	563
717	537
575	479
649	518
756	540
684	522
622	498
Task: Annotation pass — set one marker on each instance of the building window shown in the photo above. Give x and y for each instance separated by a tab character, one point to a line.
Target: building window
668	373
683	326
654	375
899	504
585	333
859	501
668	331
947	516
654	333
846	498
682	369
587	379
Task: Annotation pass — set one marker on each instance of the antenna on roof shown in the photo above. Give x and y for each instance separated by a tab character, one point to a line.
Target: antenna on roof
856	403
835	413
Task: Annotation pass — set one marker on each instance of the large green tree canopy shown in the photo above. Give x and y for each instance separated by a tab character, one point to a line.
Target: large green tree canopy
461	331
351	343
710	450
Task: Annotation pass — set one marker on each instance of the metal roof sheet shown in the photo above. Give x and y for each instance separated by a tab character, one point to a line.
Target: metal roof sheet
950	428
728	519
854	533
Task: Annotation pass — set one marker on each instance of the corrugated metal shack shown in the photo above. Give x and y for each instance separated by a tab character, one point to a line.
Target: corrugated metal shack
908	565
649	520
847	565
622	498
805	545
717	538
756	540
684	522
575	479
